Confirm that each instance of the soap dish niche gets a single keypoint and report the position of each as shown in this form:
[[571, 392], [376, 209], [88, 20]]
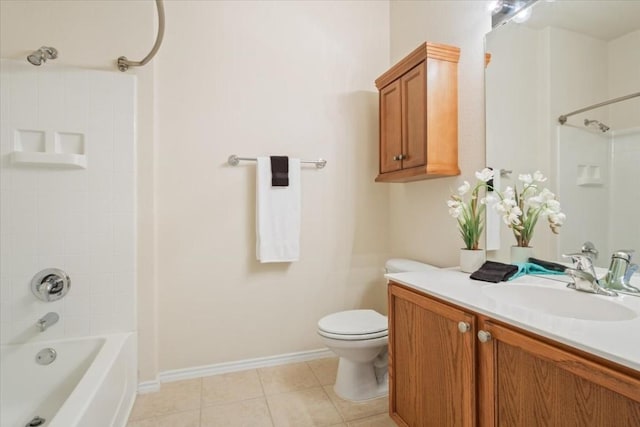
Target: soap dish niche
[[54, 149], [589, 176]]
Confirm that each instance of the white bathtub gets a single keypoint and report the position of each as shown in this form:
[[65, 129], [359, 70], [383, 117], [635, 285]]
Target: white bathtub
[[92, 382]]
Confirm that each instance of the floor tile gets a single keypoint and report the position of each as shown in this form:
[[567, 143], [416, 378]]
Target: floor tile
[[378, 421], [280, 379], [231, 387], [352, 411], [142, 407], [179, 419], [147, 422], [173, 397], [303, 408], [325, 369], [247, 413]]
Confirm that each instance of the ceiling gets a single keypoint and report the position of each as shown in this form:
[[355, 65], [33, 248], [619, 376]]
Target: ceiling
[[605, 20]]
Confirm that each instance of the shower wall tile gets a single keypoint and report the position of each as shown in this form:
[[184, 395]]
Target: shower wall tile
[[81, 221]]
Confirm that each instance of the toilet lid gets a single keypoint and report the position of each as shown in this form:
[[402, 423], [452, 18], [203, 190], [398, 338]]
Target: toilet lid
[[354, 322]]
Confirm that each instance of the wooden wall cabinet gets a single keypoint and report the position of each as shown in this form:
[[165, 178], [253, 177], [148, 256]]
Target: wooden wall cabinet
[[418, 101], [441, 373]]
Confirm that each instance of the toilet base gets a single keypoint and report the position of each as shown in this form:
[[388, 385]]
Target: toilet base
[[358, 381]]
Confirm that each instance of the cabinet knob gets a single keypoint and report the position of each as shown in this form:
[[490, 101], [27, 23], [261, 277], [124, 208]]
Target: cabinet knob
[[398, 157], [464, 327], [484, 336]]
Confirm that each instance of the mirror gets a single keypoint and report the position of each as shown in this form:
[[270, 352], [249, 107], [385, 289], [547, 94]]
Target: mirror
[[568, 56]]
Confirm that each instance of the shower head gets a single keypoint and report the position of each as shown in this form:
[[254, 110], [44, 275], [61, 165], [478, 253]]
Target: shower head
[[597, 124], [41, 55]]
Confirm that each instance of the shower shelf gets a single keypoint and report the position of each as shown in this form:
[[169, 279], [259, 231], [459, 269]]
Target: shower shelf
[[67, 160], [49, 148]]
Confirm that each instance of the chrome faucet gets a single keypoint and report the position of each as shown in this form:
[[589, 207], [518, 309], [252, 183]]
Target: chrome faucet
[[584, 276], [47, 320], [620, 271]]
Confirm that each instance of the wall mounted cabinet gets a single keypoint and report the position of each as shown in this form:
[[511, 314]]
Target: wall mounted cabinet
[[418, 101], [451, 366]]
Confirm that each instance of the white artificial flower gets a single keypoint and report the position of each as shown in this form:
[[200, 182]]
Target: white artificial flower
[[535, 201], [513, 216], [526, 178], [485, 174], [464, 188], [489, 199], [546, 195], [455, 208], [557, 218], [455, 212], [551, 207], [509, 193], [538, 177]]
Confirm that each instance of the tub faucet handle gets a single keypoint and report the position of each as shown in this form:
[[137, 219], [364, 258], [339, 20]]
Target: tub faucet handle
[[50, 284]]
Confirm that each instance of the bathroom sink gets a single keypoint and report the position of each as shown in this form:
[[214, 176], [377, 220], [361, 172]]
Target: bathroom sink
[[560, 302]]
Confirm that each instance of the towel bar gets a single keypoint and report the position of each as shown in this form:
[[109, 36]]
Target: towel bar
[[234, 160]]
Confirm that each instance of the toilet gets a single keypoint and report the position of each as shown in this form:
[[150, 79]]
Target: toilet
[[359, 338]]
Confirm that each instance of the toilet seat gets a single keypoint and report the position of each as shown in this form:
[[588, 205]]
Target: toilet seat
[[353, 325]]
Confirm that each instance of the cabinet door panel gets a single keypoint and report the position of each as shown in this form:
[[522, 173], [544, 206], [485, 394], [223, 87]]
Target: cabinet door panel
[[390, 127], [536, 384], [414, 117], [432, 369], [442, 117]]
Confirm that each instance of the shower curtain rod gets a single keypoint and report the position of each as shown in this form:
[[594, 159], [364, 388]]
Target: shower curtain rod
[[124, 63], [563, 118]]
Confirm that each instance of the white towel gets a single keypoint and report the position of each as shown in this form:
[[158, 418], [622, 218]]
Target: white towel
[[277, 214]]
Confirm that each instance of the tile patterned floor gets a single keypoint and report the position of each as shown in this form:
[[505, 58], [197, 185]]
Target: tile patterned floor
[[294, 395]]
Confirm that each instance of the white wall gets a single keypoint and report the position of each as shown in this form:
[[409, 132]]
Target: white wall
[[624, 119], [79, 220], [623, 79], [260, 78], [420, 225]]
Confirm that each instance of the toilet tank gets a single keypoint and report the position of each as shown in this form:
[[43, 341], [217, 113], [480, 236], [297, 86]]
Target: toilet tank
[[399, 265]]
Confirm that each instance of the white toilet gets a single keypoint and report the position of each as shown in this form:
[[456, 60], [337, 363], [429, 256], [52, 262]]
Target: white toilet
[[359, 337]]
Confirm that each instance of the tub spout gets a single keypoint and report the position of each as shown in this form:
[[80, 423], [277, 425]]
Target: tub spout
[[47, 320]]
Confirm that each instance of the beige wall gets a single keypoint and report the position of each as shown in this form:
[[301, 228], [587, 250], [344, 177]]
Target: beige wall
[[420, 225], [260, 78]]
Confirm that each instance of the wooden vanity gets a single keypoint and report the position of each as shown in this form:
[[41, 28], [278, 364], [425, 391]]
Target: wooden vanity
[[452, 365]]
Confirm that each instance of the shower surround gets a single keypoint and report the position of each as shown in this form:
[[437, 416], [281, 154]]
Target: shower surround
[[81, 220]]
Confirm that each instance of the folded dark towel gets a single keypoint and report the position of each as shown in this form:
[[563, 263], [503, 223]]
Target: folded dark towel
[[279, 171], [494, 272]]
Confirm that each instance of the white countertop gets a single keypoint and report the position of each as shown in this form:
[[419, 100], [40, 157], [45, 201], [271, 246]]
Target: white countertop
[[617, 341]]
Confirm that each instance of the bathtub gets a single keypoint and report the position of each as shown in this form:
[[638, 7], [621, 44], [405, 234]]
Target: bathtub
[[91, 382]]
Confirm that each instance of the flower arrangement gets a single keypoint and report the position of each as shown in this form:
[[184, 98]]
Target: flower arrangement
[[470, 213], [521, 210]]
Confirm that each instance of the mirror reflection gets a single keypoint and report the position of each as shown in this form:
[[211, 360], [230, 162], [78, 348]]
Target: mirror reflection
[[571, 55]]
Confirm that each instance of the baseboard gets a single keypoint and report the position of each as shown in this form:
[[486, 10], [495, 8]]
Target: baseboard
[[149, 386], [241, 365]]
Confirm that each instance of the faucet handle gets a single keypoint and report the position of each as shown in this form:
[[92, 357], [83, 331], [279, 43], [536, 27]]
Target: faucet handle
[[589, 249], [583, 262], [627, 275]]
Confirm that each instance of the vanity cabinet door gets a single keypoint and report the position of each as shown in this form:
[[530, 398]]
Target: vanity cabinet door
[[431, 361], [527, 382]]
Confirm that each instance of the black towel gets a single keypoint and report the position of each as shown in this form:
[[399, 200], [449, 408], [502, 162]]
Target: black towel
[[279, 171], [494, 272]]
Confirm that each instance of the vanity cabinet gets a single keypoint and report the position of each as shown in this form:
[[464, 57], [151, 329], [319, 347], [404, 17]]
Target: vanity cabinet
[[451, 366], [418, 102]]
